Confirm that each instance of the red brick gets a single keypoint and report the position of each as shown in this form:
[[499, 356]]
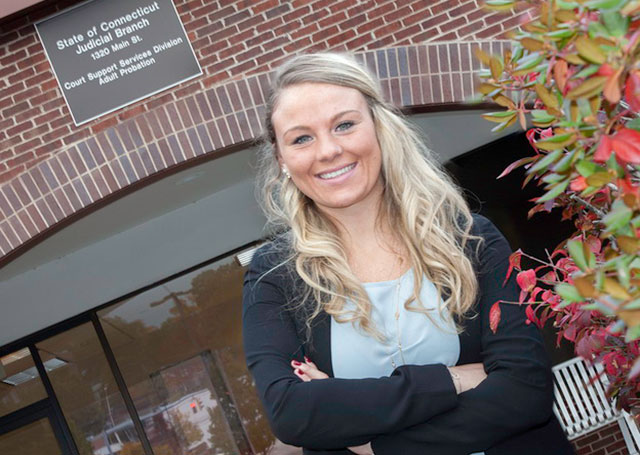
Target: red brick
[[452, 25], [15, 109], [26, 94], [277, 11], [132, 112], [47, 149], [264, 6], [270, 24], [22, 75], [12, 89], [46, 96], [24, 42], [104, 124], [341, 38], [387, 29], [397, 14], [12, 58], [232, 18], [29, 145]]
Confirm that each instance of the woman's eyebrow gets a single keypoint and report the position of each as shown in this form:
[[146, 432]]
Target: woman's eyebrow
[[333, 119]]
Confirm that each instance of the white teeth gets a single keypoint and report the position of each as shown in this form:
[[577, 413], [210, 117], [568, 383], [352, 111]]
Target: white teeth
[[330, 175]]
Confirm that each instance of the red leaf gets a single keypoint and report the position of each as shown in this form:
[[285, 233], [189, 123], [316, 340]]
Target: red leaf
[[494, 316], [578, 184], [526, 280], [626, 144], [605, 70], [514, 262], [531, 316], [561, 73], [515, 165], [612, 90], [604, 149], [632, 90]]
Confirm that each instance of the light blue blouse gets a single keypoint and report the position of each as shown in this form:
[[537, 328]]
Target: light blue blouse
[[424, 340]]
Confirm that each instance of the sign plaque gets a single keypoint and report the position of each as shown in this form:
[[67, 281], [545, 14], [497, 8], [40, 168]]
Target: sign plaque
[[107, 54]]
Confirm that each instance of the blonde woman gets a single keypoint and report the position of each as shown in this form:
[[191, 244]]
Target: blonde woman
[[366, 320]]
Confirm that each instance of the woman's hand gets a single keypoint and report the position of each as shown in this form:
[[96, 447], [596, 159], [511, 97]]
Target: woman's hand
[[308, 371], [467, 377]]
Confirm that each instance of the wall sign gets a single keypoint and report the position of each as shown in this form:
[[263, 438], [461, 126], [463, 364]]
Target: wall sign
[[107, 54]]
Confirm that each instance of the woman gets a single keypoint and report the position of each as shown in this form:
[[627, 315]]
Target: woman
[[366, 320]]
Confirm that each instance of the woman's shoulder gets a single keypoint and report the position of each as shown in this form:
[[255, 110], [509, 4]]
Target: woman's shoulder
[[272, 258], [482, 226]]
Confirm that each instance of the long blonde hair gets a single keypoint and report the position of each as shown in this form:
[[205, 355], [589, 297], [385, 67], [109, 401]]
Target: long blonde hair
[[429, 214]]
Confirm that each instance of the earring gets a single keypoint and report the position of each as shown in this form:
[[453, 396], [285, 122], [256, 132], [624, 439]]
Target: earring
[[286, 172]]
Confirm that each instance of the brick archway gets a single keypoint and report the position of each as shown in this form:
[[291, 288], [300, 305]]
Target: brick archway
[[172, 134], [52, 172]]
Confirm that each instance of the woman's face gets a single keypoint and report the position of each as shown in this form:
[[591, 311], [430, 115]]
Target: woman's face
[[326, 139]]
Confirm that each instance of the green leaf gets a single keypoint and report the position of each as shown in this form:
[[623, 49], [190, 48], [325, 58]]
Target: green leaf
[[597, 29], [634, 124], [553, 192], [598, 306], [633, 305], [567, 5], [614, 5], [498, 117], [616, 23], [585, 167], [557, 142], [500, 5], [619, 216], [623, 273], [568, 292], [529, 61], [633, 333], [588, 71], [565, 162], [542, 116], [557, 35], [546, 161], [553, 178], [590, 50], [576, 251]]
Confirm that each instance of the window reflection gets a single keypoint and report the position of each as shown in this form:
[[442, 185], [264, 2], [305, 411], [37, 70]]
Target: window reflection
[[179, 347], [88, 395], [36, 438], [20, 384]]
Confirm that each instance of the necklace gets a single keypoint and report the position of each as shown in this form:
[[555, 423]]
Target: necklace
[[397, 322]]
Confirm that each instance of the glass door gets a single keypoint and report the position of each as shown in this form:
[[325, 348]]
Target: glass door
[[31, 432]]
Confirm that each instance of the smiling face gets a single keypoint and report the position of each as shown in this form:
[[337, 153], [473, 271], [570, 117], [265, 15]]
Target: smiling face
[[326, 139]]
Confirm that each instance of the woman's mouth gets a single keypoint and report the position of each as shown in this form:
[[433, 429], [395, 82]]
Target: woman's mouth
[[337, 173]]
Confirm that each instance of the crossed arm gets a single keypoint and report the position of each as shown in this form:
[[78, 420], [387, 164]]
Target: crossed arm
[[417, 407]]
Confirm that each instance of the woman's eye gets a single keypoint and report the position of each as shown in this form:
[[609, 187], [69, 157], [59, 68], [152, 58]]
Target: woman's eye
[[344, 126], [301, 139]]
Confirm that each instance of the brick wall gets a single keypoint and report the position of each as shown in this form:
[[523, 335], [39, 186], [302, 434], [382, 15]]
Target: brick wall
[[607, 440], [50, 169]]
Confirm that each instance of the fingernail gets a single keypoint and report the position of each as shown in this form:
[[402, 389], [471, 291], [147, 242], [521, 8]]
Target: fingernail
[[299, 372], [296, 363], [306, 359]]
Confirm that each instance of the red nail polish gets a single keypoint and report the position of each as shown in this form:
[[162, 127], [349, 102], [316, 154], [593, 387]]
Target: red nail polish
[[299, 372], [296, 363], [306, 359]]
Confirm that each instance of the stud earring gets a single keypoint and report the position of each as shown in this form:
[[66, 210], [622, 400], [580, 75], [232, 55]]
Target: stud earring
[[286, 172]]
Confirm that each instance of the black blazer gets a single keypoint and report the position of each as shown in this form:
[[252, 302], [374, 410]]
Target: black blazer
[[416, 410]]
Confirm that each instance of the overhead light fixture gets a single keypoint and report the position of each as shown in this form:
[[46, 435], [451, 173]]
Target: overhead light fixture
[[32, 373], [244, 257]]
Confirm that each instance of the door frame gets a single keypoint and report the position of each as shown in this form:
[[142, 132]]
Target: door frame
[[36, 411]]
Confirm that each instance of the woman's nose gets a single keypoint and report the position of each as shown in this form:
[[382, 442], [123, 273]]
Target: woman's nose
[[329, 148]]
